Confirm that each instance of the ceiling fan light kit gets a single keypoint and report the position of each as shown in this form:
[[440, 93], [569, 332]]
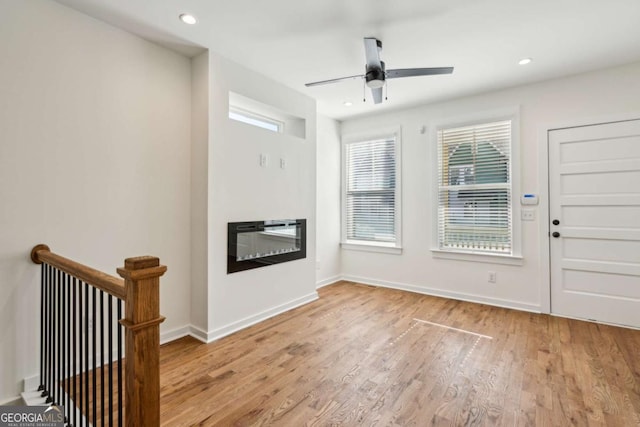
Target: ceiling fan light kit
[[375, 75]]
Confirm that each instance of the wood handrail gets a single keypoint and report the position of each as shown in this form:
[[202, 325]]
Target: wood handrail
[[110, 284], [139, 288]]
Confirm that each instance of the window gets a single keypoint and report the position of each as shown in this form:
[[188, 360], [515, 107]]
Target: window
[[475, 189], [254, 119], [371, 192]]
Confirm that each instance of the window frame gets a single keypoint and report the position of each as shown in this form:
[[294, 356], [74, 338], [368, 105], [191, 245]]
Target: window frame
[[515, 257], [372, 245]]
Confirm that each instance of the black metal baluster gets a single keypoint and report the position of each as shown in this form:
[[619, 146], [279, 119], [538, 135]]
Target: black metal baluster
[[119, 329], [102, 356], [52, 337], [95, 355], [86, 351], [110, 349], [80, 395], [63, 342], [51, 347], [74, 353], [42, 279], [58, 338], [45, 330], [69, 355]]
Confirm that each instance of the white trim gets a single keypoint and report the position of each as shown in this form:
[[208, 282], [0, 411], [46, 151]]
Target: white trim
[[328, 281], [12, 401], [31, 383], [197, 333], [223, 331], [498, 302], [175, 334], [543, 179], [372, 135], [478, 257], [508, 113], [543, 219], [371, 247], [210, 336]]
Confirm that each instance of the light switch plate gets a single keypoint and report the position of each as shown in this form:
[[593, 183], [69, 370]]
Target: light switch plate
[[528, 214]]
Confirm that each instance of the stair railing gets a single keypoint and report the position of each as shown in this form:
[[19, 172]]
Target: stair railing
[[79, 367]]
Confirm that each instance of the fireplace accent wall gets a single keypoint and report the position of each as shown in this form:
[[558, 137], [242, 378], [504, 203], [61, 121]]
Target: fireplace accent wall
[[257, 244]]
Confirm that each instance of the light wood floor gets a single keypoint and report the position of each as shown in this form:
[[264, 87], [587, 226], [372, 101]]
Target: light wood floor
[[359, 356]]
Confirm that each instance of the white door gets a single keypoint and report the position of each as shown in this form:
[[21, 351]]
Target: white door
[[594, 208]]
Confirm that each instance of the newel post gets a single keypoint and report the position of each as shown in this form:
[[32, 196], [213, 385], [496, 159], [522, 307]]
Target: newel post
[[142, 339]]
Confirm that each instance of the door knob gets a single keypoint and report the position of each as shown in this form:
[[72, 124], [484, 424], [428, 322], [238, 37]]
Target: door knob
[[555, 234], [555, 222]]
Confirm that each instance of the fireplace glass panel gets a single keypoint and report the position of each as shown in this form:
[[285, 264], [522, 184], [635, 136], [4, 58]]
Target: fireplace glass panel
[[276, 238], [261, 243]]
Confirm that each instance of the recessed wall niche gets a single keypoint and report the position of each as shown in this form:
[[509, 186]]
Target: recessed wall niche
[[255, 113]]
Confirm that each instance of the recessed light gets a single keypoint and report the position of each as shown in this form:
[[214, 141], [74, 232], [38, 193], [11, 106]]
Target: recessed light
[[524, 61], [347, 103], [188, 19]]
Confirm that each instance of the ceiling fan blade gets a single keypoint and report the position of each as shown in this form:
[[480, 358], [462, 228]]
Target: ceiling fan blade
[[377, 95], [413, 72], [326, 82], [371, 52]]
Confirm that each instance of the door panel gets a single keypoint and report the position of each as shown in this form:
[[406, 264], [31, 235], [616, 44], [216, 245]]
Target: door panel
[[594, 191]]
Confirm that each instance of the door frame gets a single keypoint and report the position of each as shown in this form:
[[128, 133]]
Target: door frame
[[543, 182]]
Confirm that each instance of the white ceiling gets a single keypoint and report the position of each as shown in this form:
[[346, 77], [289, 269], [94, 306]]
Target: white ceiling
[[297, 41]]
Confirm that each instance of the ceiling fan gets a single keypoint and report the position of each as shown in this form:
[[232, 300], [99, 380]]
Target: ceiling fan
[[375, 73]]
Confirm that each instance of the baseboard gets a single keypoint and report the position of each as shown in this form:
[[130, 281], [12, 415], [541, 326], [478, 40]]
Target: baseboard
[[12, 401], [175, 334], [498, 302], [252, 320], [328, 281], [197, 333], [210, 336]]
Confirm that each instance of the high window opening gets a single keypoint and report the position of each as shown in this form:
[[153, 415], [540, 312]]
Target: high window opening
[[254, 119], [252, 112]]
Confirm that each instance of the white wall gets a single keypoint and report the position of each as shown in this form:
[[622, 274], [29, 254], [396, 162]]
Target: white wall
[[328, 263], [199, 190], [94, 162], [597, 94], [240, 190]]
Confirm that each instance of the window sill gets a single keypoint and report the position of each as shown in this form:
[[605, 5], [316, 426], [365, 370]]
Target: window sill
[[478, 257], [387, 248]]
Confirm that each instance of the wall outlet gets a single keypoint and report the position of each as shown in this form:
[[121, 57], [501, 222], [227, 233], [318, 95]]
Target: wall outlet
[[491, 278], [263, 160], [283, 164]]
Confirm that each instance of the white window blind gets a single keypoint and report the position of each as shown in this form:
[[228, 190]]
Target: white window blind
[[474, 188], [371, 190]]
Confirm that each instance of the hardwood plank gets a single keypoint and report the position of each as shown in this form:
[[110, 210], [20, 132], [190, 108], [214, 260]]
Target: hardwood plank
[[356, 356]]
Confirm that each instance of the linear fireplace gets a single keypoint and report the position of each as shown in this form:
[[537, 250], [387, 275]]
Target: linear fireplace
[[260, 243]]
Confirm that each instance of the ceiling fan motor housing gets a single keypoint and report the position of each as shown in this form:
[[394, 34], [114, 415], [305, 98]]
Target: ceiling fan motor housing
[[375, 76]]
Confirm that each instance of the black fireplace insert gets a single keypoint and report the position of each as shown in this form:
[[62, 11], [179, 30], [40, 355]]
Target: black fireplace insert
[[256, 244]]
